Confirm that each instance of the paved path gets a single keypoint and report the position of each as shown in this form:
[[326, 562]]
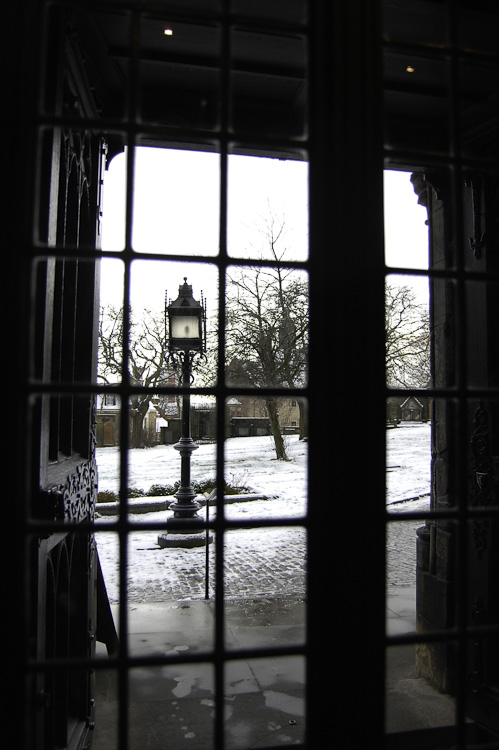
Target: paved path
[[260, 561], [267, 562], [401, 545], [271, 562]]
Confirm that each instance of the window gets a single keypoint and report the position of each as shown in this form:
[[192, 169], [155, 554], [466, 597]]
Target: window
[[346, 88]]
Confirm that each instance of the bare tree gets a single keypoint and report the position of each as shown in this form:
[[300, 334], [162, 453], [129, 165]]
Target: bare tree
[[407, 335], [147, 360], [267, 327]]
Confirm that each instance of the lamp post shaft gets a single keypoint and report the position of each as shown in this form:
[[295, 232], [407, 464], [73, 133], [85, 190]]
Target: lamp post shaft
[[186, 505], [186, 397]]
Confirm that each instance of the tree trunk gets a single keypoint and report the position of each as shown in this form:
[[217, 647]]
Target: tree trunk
[[140, 406], [302, 405], [136, 437], [280, 448]]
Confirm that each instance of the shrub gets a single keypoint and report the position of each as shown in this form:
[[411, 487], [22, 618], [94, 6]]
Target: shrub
[[135, 492], [231, 489], [159, 490], [162, 489], [207, 485]]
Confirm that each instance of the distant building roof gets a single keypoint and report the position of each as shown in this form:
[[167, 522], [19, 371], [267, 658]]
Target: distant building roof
[[411, 398]]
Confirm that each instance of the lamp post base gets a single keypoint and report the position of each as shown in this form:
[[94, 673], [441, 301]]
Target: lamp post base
[[185, 528], [188, 540]]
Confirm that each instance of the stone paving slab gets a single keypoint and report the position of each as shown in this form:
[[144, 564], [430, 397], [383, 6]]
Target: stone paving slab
[[173, 705], [274, 567], [247, 573]]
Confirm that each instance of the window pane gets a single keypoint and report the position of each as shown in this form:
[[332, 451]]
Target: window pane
[[477, 31], [108, 551], [267, 83], [265, 487], [412, 705], [416, 99], [171, 705], [483, 457], [268, 208], [408, 446], [403, 23], [106, 35], [481, 300], [266, 327], [482, 650], [266, 562], [408, 482], [179, 58], [265, 698], [176, 202], [407, 332], [105, 734], [114, 191], [477, 92], [282, 11], [406, 230]]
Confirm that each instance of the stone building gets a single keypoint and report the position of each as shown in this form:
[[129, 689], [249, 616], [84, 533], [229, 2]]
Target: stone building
[[412, 410], [254, 407], [108, 418], [408, 409]]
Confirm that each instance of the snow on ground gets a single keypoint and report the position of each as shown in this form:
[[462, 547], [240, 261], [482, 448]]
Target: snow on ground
[[249, 462], [408, 478], [408, 462], [155, 572]]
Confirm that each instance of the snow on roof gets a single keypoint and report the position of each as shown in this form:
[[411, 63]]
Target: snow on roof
[[411, 398]]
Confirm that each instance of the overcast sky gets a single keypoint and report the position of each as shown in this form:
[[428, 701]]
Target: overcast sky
[[177, 208]]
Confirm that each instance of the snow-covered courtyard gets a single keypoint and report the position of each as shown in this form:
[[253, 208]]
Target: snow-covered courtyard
[[258, 561], [408, 462]]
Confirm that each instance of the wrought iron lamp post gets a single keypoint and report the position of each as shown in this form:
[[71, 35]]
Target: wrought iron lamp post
[[186, 321]]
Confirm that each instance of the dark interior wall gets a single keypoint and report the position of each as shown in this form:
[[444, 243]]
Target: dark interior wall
[[19, 56]]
